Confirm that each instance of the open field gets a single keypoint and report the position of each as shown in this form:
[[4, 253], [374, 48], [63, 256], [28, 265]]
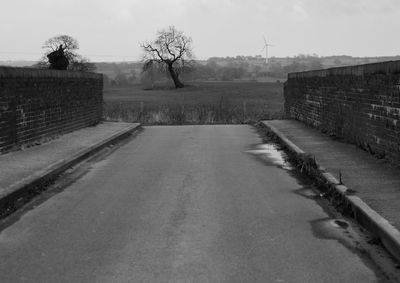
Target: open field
[[198, 103]]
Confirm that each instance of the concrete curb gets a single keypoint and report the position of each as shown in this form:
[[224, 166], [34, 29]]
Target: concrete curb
[[42, 177], [365, 215]]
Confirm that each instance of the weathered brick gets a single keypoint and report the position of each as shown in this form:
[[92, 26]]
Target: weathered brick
[[360, 104], [40, 103]]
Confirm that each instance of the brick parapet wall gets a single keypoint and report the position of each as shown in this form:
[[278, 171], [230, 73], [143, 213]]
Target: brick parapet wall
[[36, 103], [360, 104]]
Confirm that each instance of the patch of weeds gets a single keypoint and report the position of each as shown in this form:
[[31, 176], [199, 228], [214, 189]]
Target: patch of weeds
[[306, 165], [179, 114]]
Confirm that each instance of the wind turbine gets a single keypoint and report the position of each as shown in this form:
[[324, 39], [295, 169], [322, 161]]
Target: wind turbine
[[266, 45]]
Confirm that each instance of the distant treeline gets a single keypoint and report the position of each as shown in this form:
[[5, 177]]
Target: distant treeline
[[233, 68], [229, 68]]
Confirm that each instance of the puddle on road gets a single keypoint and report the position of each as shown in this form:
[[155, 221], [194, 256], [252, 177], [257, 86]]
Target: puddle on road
[[307, 192], [271, 155], [348, 235], [333, 227], [327, 228]]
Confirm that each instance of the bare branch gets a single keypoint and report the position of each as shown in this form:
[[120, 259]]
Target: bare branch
[[148, 48], [169, 50]]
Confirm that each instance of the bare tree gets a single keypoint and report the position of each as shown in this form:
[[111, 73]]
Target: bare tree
[[69, 46], [171, 50]]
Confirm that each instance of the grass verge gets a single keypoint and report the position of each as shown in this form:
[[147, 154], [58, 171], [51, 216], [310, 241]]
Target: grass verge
[[199, 103]]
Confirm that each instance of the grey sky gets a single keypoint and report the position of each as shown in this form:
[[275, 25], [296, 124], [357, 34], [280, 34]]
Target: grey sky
[[218, 27]]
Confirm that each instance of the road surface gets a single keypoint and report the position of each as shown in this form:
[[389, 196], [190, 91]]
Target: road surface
[[183, 204]]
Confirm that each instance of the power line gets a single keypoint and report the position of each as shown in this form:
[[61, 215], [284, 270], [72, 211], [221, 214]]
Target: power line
[[16, 52], [87, 55], [92, 55]]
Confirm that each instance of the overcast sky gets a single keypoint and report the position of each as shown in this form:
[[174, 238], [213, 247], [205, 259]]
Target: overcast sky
[[217, 27]]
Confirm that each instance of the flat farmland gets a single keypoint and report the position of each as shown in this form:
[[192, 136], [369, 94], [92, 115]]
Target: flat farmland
[[197, 103]]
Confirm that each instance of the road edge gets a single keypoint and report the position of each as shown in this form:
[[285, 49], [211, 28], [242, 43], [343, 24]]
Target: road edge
[[362, 213], [45, 176]]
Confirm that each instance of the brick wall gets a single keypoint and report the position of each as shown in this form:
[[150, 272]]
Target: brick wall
[[40, 103], [360, 104]]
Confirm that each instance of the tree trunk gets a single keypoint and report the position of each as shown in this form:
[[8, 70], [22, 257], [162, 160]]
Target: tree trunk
[[174, 76]]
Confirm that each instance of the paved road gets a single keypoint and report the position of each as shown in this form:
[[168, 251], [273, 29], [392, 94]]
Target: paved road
[[182, 204]]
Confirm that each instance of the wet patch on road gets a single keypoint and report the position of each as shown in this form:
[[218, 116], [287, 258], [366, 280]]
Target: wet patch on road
[[327, 228], [308, 192], [335, 227], [271, 155], [347, 234]]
